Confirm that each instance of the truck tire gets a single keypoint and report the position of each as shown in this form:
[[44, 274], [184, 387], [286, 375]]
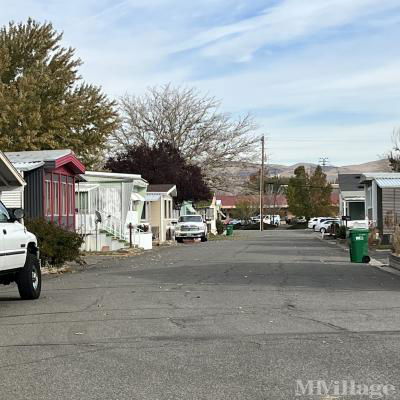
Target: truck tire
[[179, 240], [29, 279], [204, 238]]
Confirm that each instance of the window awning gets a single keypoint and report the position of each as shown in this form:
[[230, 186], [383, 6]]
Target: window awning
[[137, 197], [152, 197]]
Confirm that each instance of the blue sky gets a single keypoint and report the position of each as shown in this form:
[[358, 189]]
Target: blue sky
[[322, 77]]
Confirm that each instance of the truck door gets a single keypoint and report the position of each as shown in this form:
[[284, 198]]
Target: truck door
[[13, 242], [1, 247], [3, 223]]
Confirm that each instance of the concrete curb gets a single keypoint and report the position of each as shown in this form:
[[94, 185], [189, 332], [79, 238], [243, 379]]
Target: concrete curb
[[373, 263]]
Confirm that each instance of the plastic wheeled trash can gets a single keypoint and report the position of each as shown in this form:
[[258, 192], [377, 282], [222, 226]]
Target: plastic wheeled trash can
[[229, 230], [358, 243]]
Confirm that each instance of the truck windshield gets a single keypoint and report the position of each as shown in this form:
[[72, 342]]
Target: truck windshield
[[4, 216], [191, 218]]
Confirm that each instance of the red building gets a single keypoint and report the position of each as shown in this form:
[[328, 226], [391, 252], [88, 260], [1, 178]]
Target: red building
[[50, 176]]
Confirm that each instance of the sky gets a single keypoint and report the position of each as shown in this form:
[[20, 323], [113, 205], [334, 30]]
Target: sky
[[321, 77]]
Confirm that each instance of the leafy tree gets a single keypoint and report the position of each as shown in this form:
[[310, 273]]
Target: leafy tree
[[190, 122], [298, 193], [245, 209], [162, 163], [44, 104], [320, 193]]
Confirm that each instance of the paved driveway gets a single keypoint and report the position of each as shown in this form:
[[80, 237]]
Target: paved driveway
[[240, 319]]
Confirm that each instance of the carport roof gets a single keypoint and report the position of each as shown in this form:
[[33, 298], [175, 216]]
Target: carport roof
[[386, 183], [9, 176], [384, 179]]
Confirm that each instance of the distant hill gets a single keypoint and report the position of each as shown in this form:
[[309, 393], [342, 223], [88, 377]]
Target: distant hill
[[240, 172]]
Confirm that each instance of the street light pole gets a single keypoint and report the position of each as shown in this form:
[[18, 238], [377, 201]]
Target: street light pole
[[262, 185]]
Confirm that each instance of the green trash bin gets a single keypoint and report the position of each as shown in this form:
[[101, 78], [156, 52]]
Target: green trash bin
[[358, 243], [229, 230]]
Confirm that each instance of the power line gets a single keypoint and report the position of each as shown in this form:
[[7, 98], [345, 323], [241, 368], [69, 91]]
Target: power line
[[324, 161]]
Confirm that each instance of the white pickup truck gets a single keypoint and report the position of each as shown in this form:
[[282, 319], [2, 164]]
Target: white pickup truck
[[19, 255], [190, 227]]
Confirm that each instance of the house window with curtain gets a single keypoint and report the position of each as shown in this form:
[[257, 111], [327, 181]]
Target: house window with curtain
[[64, 196], [71, 196], [56, 195], [48, 194], [82, 202]]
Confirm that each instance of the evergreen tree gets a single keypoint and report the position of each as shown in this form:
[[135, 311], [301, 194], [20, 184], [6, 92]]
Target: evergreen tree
[[298, 193], [320, 193], [44, 104]]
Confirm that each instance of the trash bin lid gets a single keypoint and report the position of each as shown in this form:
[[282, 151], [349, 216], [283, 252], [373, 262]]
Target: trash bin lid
[[359, 230]]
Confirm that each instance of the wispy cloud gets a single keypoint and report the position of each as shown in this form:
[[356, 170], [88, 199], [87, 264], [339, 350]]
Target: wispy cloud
[[316, 73]]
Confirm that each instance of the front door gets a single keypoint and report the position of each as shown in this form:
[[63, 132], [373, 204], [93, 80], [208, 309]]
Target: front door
[[13, 244]]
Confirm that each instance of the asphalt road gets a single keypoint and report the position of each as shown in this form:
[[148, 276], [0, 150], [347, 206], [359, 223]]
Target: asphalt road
[[241, 319]]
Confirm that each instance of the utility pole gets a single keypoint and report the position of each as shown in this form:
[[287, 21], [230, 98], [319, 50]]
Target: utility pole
[[262, 185], [324, 161]]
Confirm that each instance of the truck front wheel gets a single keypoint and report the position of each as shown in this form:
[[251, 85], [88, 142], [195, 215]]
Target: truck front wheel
[[204, 238], [29, 279]]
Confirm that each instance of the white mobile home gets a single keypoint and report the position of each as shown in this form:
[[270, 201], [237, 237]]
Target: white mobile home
[[107, 204], [159, 212]]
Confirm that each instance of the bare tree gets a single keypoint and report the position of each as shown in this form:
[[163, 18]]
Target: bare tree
[[192, 123], [394, 154]]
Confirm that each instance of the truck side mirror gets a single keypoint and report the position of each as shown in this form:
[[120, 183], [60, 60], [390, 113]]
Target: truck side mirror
[[17, 214]]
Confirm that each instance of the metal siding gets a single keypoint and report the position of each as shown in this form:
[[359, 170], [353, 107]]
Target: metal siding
[[12, 198], [390, 209], [33, 195]]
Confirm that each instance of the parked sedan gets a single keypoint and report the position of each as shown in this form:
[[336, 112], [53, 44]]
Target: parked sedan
[[313, 221], [324, 225]]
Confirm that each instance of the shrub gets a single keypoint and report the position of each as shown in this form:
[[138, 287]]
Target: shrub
[[342, 233], [373, 237], [220, 227], [396, 241], [56, 244]]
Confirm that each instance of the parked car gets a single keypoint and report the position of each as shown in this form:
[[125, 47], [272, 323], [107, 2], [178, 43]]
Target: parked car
[[235, 222], [314, 221], [272, 220], [301, 220], [190, 227], [322, 226], [20, 255]]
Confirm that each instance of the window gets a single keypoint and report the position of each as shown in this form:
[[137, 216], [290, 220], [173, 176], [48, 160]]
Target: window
[[144, 211], [4, 217], [56, 198], [48, 197], [191, 218], [82, 202], [134, 205], [64, 199], [71, 205]]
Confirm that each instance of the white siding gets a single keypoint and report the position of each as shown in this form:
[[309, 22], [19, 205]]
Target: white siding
[[13, 198]]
